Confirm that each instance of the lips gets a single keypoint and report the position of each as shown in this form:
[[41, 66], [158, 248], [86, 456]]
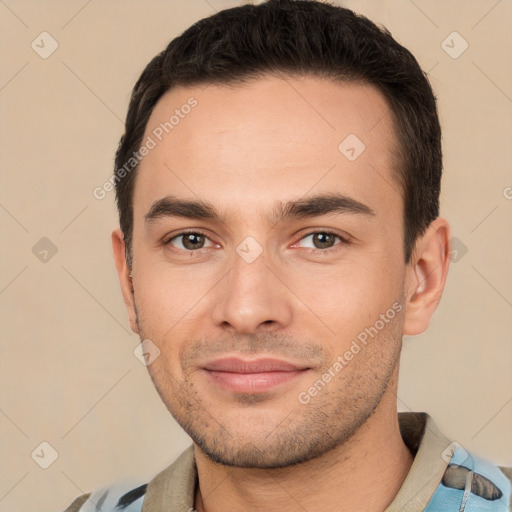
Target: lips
[[251, 376], [235, 365]]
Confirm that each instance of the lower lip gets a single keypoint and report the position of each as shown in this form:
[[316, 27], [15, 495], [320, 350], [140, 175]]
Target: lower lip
[[252, 382]]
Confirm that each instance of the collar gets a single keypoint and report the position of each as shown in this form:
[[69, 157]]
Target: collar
[[174, 488]]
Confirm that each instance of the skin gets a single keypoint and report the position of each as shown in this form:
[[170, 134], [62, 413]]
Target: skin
[[245, 150]]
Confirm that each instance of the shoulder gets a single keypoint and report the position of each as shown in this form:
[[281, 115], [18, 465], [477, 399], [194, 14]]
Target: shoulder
[[473, 484], [444, 476], [120, 497], [174, 485], [507, 472]]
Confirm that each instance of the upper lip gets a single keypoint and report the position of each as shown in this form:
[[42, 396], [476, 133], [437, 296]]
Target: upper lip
[[238, 365]]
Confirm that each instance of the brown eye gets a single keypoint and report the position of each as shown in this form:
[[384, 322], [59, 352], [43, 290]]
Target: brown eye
[[320, 240], [193, 241], [324, 240], [190, 241]]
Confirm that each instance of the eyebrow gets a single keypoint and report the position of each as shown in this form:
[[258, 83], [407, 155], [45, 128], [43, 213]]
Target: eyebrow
[[314, 206], [324, 204]]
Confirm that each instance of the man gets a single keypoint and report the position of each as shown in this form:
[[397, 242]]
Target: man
[[278, 191]]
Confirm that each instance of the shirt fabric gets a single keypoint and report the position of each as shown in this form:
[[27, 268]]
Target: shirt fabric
[[443, 478]]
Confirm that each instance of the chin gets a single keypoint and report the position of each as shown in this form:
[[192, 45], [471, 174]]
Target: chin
[[259, 455]]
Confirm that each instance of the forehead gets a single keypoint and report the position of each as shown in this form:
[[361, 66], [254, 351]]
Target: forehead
[[270, 138]]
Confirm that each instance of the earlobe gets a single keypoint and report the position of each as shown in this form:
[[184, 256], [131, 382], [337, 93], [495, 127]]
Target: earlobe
[[125, 276], [426, 276]]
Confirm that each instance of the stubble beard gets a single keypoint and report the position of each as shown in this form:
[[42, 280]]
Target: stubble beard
[[302, 432]]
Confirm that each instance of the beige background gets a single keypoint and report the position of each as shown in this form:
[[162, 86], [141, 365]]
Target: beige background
[[69, 376]]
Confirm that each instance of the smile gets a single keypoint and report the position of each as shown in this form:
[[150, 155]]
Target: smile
[[255, 376]]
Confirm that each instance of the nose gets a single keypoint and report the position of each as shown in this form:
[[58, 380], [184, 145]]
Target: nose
[[251, 298]]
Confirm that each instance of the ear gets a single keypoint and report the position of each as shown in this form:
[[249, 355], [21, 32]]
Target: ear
[[123, 271], [426, 276]]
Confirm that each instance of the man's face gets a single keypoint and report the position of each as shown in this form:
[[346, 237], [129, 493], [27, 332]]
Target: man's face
[[292, 249]]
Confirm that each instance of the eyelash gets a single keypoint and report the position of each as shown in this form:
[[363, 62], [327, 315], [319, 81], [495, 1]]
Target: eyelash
[[328, 250], [168, 241], [316, 251]]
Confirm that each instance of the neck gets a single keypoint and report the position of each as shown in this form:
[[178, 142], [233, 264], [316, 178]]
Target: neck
[[365, 473]]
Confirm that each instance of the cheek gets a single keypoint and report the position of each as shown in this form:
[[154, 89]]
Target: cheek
[[350, 297], [170, 306], [167, 293]]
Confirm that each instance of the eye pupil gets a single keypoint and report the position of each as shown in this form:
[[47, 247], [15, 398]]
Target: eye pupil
[[323, 240], [193, 241]]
